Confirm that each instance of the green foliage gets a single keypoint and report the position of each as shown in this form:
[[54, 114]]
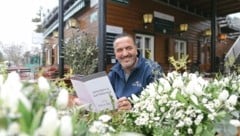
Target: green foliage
[[180, 64], [81, 53], [231, 65]]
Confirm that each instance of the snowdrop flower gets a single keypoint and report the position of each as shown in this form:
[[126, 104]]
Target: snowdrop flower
[[14, 129], [66, 127], [198, 119], [235, 122], [3, 132], [166, 84], [151, 89], [43, 84], [178, 83], [105, 118], [204, 100], [12, 94], [1, 81], [190, 131], [223, 95], [174, 93], [50, 122], [194, 87], [134, 98], [194, 99], [62, 99], [232, 100], [187, 121]]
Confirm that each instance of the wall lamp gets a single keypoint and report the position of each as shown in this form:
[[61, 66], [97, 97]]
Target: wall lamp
[[207, 33], [72, 23], [147, 19], [222, 36], [55, 34], [183, 27]]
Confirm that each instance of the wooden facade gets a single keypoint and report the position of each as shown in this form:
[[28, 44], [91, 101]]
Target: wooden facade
[[129, 17]]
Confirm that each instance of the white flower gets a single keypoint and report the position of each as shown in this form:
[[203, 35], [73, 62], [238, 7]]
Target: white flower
[[1, 81], [62, 99], [198, 119], [178, 83], [50, 122], [165, 83], [223, 95], [174, 93], [190, 131], [11, 94], [14, 129], [194, 99], [194, 87], [235, 122], [43, 84], [134, 97], [3, 132], [66, 127], [105, 118], [232, 100], [187, 121]]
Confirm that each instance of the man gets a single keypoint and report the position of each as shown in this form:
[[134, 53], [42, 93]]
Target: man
[[132, 72]]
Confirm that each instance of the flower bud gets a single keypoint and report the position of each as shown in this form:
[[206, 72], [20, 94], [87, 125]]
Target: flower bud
[[62, 99]]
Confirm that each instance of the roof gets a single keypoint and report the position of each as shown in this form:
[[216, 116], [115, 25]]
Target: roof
[[203, 7]]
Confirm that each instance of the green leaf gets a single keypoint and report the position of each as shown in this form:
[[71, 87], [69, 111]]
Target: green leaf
[[26, 117], [181, 98], [36, 121]]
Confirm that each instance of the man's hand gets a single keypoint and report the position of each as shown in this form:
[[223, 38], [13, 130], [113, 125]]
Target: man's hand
[[124, 104]]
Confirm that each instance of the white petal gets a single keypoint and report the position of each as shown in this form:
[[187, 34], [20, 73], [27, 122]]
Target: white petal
[[43, 84], [62, 99], [66, 128]]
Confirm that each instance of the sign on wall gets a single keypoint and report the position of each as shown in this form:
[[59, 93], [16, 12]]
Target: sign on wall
[[111, 33], [163, 23]]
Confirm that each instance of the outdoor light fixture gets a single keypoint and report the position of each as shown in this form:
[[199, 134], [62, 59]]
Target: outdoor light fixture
[[72, 23], [55, 34], [46, 41], [222, 36], [208, 32], [183, 27], [147, 19]]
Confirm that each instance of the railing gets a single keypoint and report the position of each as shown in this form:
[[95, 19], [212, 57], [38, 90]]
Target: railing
[[232, 54]]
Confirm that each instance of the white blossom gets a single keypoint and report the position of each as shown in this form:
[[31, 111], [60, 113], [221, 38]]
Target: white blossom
[[43, 84], [190, 131], [50, 122], [223, 95], [62, 99], [235, 122], [14, 129], [66, 127], [232, 100], [194, 99], [105, 118]]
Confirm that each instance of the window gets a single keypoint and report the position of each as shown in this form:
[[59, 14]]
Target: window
[[180, 49], [145, 44]]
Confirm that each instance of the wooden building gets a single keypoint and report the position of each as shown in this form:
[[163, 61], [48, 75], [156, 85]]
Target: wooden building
[[162, 28]]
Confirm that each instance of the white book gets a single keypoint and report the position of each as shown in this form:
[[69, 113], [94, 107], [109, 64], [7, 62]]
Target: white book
[[95, 91]]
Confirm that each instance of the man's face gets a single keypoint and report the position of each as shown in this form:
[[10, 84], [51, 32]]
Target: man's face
[[125, 52]]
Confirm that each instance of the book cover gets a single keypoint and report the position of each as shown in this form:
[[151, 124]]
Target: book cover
[[95, 91]]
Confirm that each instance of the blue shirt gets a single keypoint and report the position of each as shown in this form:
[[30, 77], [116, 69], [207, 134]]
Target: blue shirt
[[145, 72]]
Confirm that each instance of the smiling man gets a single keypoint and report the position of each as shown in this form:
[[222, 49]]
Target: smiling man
[[132, 72]]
